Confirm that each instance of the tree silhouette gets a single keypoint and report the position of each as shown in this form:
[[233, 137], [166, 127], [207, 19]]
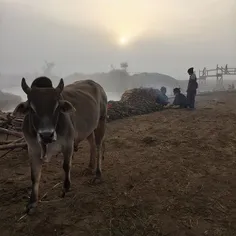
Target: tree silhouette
[[124, 65], [47, 68]]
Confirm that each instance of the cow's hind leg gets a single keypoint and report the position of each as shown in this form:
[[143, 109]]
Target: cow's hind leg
[[92, 160], [92, 144], [67, 151], [99, 138]]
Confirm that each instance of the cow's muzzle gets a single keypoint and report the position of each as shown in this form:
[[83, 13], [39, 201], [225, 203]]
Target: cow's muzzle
[[47, 136]]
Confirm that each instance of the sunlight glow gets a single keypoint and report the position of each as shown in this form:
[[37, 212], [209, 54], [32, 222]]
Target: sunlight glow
[[126, 22], [123, 41]]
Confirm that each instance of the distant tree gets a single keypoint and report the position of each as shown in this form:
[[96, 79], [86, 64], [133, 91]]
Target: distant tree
[[124, 65], [47, 69], [112, 67]]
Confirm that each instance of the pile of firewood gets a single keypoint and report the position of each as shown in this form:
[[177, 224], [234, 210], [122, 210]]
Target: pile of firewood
[[7, 121], [120, 110], [11, 126], [144, 96], [133, 102]]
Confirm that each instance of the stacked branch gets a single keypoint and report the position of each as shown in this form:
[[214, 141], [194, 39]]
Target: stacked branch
[[11, 127], [8, 121], [133, 102]]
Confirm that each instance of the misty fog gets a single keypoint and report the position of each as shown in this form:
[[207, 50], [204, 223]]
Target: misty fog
[[89, 39]]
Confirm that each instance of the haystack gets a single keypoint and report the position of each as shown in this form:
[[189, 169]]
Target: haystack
[[133, 102]]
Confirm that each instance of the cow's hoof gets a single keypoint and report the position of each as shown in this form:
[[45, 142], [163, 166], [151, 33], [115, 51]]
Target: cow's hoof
[[64, 191], [66, 188], [31, 207]]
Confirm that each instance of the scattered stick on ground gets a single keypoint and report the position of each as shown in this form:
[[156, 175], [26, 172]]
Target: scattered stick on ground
[[12, 146], [22, 217], [11, 132]]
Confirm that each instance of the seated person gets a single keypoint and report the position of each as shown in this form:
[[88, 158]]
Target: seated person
[[180, 99], [162, 99]]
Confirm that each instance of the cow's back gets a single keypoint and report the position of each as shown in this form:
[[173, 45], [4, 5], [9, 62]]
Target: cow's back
[[90, 102]]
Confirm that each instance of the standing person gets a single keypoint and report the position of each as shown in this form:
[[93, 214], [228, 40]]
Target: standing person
[[192, 88], [226, 69]]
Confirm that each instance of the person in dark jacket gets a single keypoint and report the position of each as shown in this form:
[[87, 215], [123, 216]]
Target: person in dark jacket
[[162, 99], [180, 99], [192, 88]]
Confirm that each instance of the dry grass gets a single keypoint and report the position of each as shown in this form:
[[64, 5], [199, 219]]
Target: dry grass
[[168, 173]]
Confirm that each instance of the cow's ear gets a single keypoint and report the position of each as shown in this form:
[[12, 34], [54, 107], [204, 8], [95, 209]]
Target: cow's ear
[[66, 107], [21, 109]]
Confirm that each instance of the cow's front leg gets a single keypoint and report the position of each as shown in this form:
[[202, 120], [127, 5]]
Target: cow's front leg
[[36, 167], [67, 151]]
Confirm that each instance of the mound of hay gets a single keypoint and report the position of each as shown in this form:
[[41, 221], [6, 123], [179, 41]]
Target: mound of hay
[[133, 102], [142, 95]]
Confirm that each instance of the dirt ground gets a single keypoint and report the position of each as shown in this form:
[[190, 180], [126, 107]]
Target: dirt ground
[[167, 173]]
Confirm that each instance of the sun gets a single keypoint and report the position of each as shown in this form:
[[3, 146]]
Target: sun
[[123, 41]]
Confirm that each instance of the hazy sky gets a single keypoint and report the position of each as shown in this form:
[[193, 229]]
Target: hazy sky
[[165, 36]]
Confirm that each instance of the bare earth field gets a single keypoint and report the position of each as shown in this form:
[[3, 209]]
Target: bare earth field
[[167, 173]]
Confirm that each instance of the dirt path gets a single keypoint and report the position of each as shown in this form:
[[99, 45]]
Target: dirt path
[[167, 173]]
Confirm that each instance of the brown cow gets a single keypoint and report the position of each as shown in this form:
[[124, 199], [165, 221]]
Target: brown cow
[[61, 118]]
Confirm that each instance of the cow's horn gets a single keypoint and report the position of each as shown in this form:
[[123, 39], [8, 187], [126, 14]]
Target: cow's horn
[[60, 86], [25, 86]]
